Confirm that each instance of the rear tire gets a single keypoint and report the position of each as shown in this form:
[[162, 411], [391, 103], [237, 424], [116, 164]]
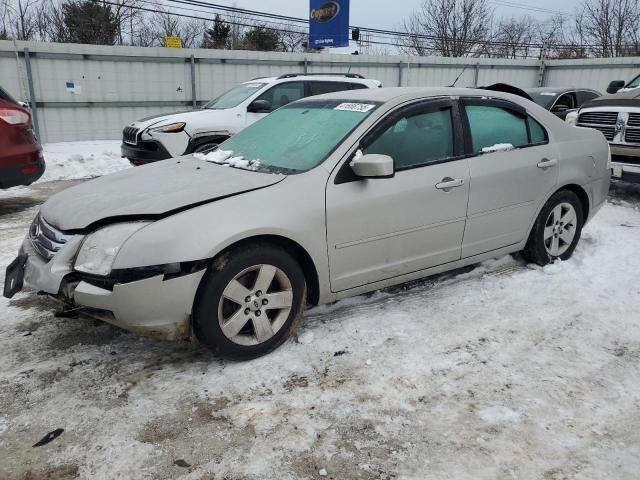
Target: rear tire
[[249, 302], [557, 230]]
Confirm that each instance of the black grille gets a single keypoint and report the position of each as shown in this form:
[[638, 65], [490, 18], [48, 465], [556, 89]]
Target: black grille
[[45, 239], [130, 135], [634, 120], [632, 136], [608, 132], [598, 118]]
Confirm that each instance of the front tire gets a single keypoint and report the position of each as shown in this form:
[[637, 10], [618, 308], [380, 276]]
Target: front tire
[[205, 147], [557, 229], [250, 301]]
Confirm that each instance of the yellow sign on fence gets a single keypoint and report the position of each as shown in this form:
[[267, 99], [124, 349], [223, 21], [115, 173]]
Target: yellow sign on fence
[[173, 42]]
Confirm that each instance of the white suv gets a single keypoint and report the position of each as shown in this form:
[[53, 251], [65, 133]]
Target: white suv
[[166, 136]]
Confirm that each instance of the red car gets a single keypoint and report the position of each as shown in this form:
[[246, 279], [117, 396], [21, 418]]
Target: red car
[[21, 161]]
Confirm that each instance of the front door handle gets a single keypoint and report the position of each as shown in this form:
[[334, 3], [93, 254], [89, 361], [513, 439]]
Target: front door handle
[[546, 163], [448, 183]]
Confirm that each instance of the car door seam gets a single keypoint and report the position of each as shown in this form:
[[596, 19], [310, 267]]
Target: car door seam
[[498, 210], [397, 233]]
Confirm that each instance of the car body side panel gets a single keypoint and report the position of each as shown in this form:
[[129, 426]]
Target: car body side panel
[[506, 188], [295, 211], [381, 228]]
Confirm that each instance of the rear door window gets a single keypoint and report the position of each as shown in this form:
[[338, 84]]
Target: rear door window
[[318, 88], [585, 96], [494, 126]]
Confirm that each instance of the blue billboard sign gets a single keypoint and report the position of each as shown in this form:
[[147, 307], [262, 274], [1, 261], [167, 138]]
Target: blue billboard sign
[[329, 23]]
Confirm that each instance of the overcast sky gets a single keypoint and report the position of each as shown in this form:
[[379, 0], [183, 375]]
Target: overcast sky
[[388, 14]]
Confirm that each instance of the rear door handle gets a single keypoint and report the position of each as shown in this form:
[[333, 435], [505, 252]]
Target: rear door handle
[[546, 163], [448, 183]]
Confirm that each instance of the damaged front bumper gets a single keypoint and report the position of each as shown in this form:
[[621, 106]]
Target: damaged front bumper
[[157, 305]]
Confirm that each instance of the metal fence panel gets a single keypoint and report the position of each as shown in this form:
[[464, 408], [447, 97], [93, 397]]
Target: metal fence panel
[[113, 86]]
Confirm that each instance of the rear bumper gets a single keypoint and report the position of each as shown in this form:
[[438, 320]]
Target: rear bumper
[[628, 172], [23, 174], [153, 307], [625, 151], [143, 152]]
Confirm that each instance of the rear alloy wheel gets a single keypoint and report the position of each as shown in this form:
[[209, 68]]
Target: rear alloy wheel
[[250, 303], [557, 229], [560, 229]]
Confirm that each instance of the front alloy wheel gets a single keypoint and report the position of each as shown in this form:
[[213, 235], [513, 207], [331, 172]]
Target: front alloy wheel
[[250, 301], [255, 304]]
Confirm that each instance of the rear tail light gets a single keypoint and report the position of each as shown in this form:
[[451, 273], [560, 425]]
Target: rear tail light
[[13, 116], [30, 170]]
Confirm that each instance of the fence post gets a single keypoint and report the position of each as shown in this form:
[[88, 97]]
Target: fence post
[[400, 65], [476, 74], [32, 94], [194, 96], [306, 65], [542, 72]]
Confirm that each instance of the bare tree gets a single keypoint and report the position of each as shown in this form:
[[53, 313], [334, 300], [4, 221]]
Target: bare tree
[[610, 25], [4, 19], [22, 19], [514, 37], [166, 25], [292, 39], [451, 28]]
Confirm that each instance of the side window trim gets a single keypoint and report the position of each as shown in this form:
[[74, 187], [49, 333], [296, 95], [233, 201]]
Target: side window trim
[[498, 103]]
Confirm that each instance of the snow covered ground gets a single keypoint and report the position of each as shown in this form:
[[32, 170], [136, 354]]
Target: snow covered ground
[[75, 160], [500, 371]]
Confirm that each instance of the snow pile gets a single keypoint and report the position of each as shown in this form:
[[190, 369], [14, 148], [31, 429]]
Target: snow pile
[[498, 147], [226, 158], [72, 160]]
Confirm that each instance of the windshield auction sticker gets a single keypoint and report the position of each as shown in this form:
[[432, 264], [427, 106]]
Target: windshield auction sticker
[[354, 107]]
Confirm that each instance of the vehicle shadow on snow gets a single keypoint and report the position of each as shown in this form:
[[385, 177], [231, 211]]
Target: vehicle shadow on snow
[[624, 192], [12, 205]]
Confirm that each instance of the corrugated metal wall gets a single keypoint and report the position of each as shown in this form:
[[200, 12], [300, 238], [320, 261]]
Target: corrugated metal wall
[[120, 84]]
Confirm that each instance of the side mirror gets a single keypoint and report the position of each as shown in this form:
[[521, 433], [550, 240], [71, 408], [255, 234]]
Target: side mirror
[[373, 166], [559, 108], [259, 106], [615, 86]]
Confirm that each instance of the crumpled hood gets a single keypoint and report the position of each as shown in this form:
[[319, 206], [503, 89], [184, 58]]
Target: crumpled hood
[[154, 190]]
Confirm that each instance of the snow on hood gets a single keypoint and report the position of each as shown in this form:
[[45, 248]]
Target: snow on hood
[[150, 191], [226, 158]]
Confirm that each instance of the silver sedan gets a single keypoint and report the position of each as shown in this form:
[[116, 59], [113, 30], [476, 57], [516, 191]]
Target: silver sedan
[[326, 198]]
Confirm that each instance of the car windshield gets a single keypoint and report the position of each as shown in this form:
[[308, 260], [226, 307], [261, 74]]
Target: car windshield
[[295, 138], [634, 83], [543, 98], [235, 96]]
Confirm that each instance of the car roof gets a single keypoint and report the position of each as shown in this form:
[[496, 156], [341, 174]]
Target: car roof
[[556, 89], [332, 78], [384, 95]]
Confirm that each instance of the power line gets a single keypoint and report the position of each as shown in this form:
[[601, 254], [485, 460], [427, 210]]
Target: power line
[[531, 8], [475, 46]]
